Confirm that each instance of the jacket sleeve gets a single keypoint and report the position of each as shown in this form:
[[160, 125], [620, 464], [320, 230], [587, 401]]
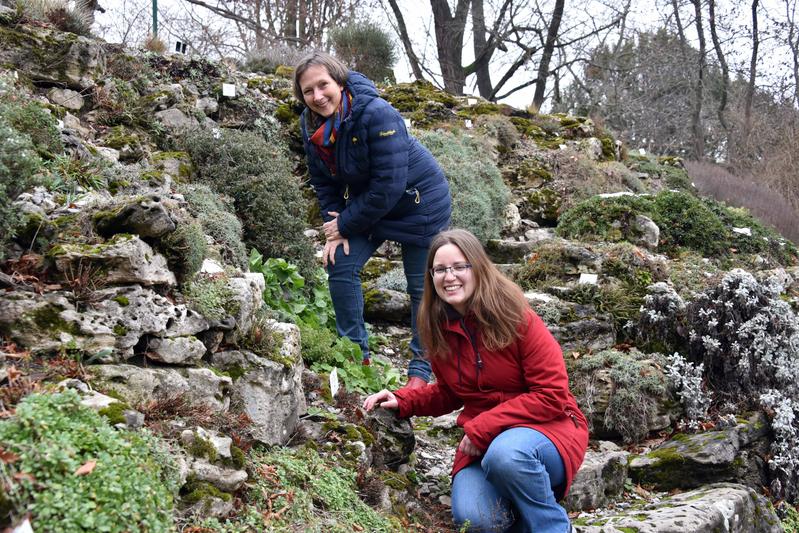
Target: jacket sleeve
[[547, 384], [434, 400], [389, 145]]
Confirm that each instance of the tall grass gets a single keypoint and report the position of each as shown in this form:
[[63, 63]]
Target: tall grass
[[768, 205]]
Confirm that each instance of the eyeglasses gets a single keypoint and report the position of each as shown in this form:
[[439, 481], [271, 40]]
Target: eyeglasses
[[441, 271]]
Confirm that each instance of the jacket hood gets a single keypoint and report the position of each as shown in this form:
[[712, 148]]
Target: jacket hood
[[363, 91]]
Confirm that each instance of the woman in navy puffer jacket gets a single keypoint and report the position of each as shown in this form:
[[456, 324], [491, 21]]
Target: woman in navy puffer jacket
[[374, 182]]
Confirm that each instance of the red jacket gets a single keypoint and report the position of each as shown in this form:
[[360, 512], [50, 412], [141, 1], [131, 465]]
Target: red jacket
[[522, 385]]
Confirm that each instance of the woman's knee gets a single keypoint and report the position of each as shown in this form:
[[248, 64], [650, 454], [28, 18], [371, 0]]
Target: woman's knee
[[503, 462], [481, 516]]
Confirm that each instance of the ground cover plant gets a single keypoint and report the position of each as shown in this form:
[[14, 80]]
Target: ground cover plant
[[71, 470]]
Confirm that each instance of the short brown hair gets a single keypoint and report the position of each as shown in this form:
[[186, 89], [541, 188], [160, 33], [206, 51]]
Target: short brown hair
[[337, 70], [497, 304]]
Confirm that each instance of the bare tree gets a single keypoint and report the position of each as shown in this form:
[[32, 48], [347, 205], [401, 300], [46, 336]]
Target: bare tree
[[697, 128], [750, 93], [793, 44], [725, 69]]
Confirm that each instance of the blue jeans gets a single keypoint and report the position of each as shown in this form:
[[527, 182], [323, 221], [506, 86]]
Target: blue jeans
[[511, 488], [345, 290]]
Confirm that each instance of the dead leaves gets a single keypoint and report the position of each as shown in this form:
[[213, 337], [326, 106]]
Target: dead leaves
[[86, 468]]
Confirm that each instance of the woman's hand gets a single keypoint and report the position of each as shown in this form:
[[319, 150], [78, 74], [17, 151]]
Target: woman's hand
[[329, 253], [467, 447], [384, 399], [331, 228]]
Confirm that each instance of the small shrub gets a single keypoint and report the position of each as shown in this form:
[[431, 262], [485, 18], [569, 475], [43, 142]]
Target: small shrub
[[130, 488], [18, 164], [185, 249], [267, 59], [479, 196], [215, 213], [258, 176], [394, 280], [686, 378], [260, 339], [72, 20], [211, 296], [154, 44], [33, 120], [366, 48], [635, 385], [500, 128]]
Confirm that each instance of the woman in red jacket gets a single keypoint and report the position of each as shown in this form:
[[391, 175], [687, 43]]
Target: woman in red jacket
[[524, 436]]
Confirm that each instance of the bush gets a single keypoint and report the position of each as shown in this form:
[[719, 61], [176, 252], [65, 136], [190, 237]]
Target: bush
[[267, 59], [185, 248], [130, 487], [479, 196], [746, 337], [258, 176], [211, 296], [18, 164], [365, 47], [215, 213], [33, 120]]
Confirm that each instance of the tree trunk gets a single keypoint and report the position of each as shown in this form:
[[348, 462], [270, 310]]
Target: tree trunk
[[697, 128], [546, 57], [480, 52], [449, 31], [750, 89], [725, 70]]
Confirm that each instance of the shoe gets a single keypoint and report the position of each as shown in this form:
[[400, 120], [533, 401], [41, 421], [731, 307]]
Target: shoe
[[415, 383]]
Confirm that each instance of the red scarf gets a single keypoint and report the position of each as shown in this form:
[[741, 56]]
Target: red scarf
[[324, 138]]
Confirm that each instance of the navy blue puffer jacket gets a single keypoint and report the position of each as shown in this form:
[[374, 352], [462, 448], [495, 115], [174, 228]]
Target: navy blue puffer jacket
[[386, 185]]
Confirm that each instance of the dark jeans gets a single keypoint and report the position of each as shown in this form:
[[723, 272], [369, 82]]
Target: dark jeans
[[345, 290]]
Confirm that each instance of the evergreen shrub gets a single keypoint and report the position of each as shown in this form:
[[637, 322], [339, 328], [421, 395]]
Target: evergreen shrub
[[215, 213], [258, 176], [479, 196], [51, 437], [366, 48]]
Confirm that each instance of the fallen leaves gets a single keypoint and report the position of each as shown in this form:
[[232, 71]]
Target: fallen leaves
[[86, 468]]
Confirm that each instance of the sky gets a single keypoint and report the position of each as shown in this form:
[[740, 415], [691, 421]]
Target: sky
[[418, 17]]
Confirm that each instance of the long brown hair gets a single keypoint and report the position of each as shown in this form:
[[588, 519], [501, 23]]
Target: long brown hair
[[497, 304]]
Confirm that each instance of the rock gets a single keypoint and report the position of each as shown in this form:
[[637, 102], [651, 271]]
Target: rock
[[73, 123], [95, 400], [512, 221], [269, 392], [248, 292], [220, 444], [599, 481], [720, 507], [687, 461], [508, 251], [387, 304], [176, 351], [175, 119], [145, 216], [66, 98], [210, 507], [109, 154], [142, 385], [592, 148], [207, 105], [123, 259], [395, 439], [175, 164], [588, 331], [648, 231], [537, 235], [226, 479], [52, 57]]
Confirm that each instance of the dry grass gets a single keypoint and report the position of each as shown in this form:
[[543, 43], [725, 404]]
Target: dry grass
[[764, 203]]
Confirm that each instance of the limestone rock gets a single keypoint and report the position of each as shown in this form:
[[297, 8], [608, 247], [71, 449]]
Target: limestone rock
[[145, 216], [512, 220], [648, 231], [175, 119], [508, 251], [599, 480], [141, 385], [124, 259], [395, 438], [248, 292], [73, 123], [387, 304], [731, 454], [723, 507], [51, 56], [66, 98], [221, 444], [269, 392], [226, 479], [207, 105], [176, 351]]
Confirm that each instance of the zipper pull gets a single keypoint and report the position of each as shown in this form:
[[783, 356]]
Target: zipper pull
[[418, 197], [347, 192]]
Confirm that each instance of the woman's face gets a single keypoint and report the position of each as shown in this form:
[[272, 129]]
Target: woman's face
[[320, 91], [453, 287]]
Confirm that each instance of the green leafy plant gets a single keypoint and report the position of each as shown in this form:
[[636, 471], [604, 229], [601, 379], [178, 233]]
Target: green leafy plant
[[287, 294], [68, 468]]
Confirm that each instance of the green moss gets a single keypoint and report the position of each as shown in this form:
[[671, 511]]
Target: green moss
[[625, 529], [285, 113], [48, 318], [284, 71], [201, 447], [114, 412], [120, 330], [480, 108], [542, 204], [237, 457], [409, 97], [197, 491], [608, 148], [121, 300]]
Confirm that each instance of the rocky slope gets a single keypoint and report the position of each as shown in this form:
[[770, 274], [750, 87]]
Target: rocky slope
[[127, 281]]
